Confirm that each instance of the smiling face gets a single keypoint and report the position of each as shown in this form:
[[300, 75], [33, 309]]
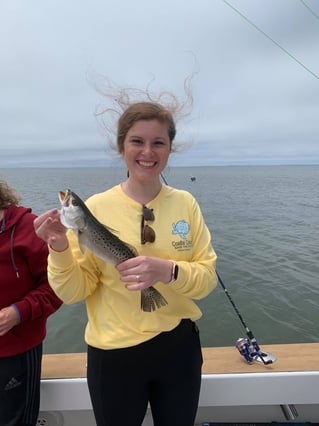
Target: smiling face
[[146, 149]]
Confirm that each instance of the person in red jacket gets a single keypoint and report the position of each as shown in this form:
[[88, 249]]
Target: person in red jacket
[[26, 301]]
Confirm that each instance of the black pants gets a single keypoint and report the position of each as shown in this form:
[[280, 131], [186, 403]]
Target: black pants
[[165, 372], [20, 388]]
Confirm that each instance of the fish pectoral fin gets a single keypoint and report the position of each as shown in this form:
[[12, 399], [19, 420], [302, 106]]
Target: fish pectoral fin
[[82, 248], [82, 242]]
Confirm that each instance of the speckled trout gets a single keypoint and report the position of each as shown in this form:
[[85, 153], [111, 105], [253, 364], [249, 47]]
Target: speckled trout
[[99, 239]]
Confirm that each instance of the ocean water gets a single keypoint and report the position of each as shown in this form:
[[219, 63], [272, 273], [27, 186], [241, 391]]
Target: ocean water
[[264, 222]]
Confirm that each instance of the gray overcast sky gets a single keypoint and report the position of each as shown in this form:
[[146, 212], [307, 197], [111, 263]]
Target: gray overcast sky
[[253, 103]]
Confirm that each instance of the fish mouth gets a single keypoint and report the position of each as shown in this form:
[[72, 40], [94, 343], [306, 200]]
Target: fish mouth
[[65, 197]]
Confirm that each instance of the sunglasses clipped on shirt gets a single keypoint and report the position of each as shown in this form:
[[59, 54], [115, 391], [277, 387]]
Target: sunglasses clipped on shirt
[[147, 233]]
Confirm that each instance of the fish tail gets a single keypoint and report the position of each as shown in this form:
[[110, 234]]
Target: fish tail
[[151, 299]]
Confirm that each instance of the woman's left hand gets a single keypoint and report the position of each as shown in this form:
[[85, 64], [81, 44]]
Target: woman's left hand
[[9, 317], [145, 271]]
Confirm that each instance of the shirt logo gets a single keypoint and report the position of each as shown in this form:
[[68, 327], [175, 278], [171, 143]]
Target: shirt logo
[[181, 228]]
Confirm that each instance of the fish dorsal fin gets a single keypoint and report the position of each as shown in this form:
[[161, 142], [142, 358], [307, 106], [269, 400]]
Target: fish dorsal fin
[[114, 231]]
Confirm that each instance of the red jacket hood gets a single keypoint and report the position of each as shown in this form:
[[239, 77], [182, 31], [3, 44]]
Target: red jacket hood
[[12, 215]]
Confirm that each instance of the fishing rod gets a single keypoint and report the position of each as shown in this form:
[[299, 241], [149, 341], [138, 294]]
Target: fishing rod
[[247, 347], [163, 179]]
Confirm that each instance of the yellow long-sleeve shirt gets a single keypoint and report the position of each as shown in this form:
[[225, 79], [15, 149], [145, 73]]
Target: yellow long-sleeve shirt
[[115, 318]]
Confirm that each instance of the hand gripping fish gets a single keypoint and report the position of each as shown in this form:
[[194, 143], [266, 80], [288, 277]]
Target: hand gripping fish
[[101, 241]]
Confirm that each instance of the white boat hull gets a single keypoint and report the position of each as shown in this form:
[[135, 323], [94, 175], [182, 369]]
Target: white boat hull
[[247, 397]]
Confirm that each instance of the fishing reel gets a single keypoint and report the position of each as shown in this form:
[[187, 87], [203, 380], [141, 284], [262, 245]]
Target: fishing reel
[[250, 350]]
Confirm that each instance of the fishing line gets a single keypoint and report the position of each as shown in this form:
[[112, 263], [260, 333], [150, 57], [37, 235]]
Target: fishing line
[[248, 331], [310, 10], [271, 39]]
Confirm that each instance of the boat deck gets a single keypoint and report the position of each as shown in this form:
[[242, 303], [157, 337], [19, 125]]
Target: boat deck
[[217, 360]]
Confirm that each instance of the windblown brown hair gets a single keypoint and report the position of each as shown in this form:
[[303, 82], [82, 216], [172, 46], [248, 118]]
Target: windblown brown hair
[[130, 105], [8, 196]]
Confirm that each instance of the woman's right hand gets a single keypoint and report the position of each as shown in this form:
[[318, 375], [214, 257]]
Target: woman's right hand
[[49, 228]]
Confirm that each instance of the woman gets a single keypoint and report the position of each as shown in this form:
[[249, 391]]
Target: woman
[[26, 300], [136, 357]]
